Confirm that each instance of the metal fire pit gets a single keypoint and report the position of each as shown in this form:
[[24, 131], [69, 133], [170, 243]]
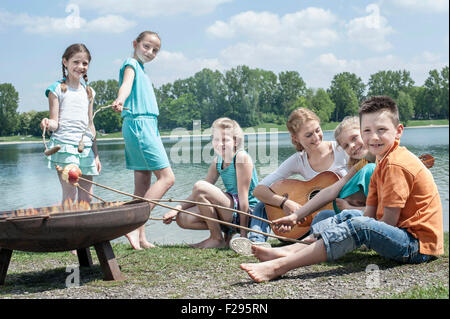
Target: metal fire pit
[[75, 230]]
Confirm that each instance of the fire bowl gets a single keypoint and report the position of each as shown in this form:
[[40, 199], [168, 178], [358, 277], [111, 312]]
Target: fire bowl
[[72, 230]]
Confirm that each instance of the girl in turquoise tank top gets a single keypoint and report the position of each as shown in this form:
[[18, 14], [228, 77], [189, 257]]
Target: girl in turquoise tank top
[[235, 166]]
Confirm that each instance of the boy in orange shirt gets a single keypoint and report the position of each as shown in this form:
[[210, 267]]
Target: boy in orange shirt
[[403, 217]]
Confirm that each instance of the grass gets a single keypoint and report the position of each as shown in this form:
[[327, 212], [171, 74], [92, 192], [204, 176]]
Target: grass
[[178, 271], [265, 126]]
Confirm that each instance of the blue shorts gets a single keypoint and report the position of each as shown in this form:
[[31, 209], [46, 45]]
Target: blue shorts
[[68, 154], [144, 150], [236, 216]]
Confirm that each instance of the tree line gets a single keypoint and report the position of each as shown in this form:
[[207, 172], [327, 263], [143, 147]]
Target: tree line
[[253, 96]]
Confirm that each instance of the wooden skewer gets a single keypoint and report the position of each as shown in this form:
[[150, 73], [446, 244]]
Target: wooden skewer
[[85, 190], [81, 143], [194, 214], [47, 151], [170, 200]]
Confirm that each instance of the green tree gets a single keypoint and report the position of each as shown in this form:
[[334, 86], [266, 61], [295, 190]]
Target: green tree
[[243, 96], [35, 122], [108, 121], [9, 102], [105, 92], [418, 94], [433, 86], [322, 105], [291, 86], [444, 93], [23, 126], [343, 97], [390, 83], [405, 106]]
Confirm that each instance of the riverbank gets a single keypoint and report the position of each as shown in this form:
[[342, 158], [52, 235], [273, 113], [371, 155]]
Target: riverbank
[[181, 272], [262, 129]]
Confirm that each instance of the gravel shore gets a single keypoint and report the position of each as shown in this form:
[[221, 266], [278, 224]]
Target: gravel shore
[[182, 272]]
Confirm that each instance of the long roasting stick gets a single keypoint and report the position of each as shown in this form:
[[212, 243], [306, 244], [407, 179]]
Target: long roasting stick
[[193, 214], [170, 200]]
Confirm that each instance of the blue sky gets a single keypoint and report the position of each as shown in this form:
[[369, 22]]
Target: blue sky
[[317, 38]]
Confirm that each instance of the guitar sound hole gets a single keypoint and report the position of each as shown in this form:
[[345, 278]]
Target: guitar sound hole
[[313, 193]]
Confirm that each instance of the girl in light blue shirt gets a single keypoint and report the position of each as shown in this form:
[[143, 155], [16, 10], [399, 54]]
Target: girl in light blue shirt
[[144, 150]]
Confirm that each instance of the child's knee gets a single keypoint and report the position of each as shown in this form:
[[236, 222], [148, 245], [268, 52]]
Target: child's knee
[[168, 178], [200, 188]]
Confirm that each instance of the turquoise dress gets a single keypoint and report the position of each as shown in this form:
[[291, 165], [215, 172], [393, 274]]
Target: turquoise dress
[[144, 149], [358, 182]]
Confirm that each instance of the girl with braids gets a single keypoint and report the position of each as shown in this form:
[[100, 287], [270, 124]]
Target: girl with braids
[[144, 150], [71, 104]]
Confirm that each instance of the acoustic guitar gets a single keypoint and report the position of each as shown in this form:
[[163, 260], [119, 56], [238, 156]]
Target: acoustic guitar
[[300, 192]]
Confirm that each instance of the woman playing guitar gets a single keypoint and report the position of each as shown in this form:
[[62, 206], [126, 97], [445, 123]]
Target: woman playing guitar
[[313, 156]]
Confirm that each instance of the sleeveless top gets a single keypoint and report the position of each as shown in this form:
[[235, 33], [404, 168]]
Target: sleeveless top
[[142, 99], [73, 115], [230, 180]]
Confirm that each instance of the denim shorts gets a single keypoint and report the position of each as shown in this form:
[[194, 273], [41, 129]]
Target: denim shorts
[[349, 230], [236, 220]]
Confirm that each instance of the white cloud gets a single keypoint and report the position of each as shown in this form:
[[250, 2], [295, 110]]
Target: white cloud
[[69, 24], [370, 30], [152, 8], [311, 27], [171, 66], [434, 6]]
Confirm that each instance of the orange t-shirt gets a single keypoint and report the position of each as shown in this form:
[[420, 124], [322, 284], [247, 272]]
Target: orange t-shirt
[[401, 180]]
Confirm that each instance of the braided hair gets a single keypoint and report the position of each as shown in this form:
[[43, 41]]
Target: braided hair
[[68, 53]]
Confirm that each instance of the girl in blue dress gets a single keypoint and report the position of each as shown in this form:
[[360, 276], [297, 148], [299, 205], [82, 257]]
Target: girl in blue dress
[[144, 150]]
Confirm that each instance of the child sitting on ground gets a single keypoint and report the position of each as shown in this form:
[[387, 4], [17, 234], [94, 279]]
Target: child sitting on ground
[[239, 177], [403, 216]]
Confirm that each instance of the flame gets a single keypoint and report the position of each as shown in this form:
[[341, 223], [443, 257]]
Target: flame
[[67, 206]]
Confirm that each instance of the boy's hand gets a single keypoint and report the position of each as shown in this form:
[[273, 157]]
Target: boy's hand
[[285, 224]]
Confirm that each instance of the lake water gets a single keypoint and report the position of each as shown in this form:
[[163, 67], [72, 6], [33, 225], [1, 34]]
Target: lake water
[[25, 180]]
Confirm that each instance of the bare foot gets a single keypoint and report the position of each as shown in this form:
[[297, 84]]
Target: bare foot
[[260, 272], [265, 253], [210, 243], [74, 252], [146, 244], [133, 237]]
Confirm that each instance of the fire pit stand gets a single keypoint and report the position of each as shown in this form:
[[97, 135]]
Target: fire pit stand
[[72, 231], [105, 254]]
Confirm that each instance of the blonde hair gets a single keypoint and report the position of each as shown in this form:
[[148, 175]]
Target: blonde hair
[[348, 123], [296, 120], [232, 127]]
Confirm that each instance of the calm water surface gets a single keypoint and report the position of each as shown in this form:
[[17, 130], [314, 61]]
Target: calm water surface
[[25, 180]]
